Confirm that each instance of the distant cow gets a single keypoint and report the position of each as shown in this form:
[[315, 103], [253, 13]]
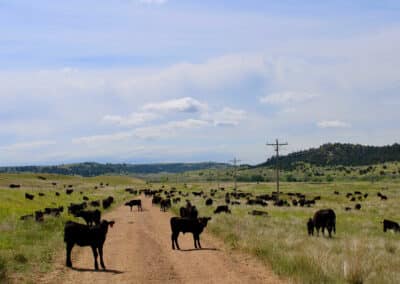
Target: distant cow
[[69, 191], [57, 194], [107, 202], [209, 201], [189, 212], [357, 206], [324, 218], [186, 225], [29, 196], [222, 208], [165, 204], [90, 216], [54, 211], [135, 202], [310, 227], [74, 208], [83, 235], [95, 203], [14, 185], [390, 225], [41, 194]]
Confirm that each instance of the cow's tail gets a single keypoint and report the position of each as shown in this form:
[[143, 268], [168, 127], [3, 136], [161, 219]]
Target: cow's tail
[[334, 226]]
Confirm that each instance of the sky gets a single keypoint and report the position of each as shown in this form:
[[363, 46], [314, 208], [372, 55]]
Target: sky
[[144, 81]]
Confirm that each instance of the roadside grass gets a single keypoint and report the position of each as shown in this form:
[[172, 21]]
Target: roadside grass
[[359, 252], [28, 247]]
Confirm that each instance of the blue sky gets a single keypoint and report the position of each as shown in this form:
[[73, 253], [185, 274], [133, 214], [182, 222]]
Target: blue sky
[[180, 80]]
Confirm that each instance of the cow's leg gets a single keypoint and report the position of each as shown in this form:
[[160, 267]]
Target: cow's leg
[[330, 231], [176, 241], [69, 249], [317, 231], [101, 257], [131, 208], [198, 241], [195, 240], [96, 265]]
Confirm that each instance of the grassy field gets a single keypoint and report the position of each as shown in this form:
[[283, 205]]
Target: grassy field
[[303, 172], [359, 252], [28, 247]]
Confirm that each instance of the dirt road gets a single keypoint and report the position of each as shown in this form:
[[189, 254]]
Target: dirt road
[[138, 250]]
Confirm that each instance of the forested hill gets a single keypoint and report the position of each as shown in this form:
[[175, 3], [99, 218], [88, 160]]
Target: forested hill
[[334, 154], [94, 169]]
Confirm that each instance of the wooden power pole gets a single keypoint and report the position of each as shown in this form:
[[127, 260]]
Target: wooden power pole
[[235, 161], [277, 144]]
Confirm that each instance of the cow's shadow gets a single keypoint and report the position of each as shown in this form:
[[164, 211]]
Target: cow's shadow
[[198, 249], [113, 271]]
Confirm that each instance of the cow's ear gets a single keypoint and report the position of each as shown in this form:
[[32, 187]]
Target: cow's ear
[[111, 223]]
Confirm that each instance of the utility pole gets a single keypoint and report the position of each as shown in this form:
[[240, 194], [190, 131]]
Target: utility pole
[[277, 144], [234, 161]]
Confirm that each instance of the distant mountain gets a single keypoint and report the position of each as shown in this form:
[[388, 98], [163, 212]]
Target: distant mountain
[[334, 154], [94, 169]]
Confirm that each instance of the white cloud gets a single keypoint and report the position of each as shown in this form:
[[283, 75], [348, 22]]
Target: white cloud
[[136, 118], [228, 117], [186, 104], [169, 129], [27, 145], [287, 97], [333, 124], [105, 138]]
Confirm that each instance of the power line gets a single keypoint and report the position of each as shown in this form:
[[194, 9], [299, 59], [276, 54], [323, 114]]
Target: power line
[[277, 145]]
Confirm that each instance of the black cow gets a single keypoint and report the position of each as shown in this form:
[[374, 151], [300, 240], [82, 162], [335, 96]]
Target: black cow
[[107, 202], [165, 204], [54, 211], [29, 196], [90, 216], [186, 225], [357, 206], [390, 225], [209, 201], [189, 212], [324, 218], [135, 202], [95, 203], [222, 208], [69, 191], [310, 227], [74, 208], [83, 235]]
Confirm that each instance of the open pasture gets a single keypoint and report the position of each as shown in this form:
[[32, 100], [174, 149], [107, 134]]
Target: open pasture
[[27, 246], [359, 252]]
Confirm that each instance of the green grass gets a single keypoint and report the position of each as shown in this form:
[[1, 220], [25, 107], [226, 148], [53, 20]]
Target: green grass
[[28, 247], [359, 253]]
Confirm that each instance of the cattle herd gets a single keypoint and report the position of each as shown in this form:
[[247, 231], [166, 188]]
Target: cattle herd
[[94, 232]]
